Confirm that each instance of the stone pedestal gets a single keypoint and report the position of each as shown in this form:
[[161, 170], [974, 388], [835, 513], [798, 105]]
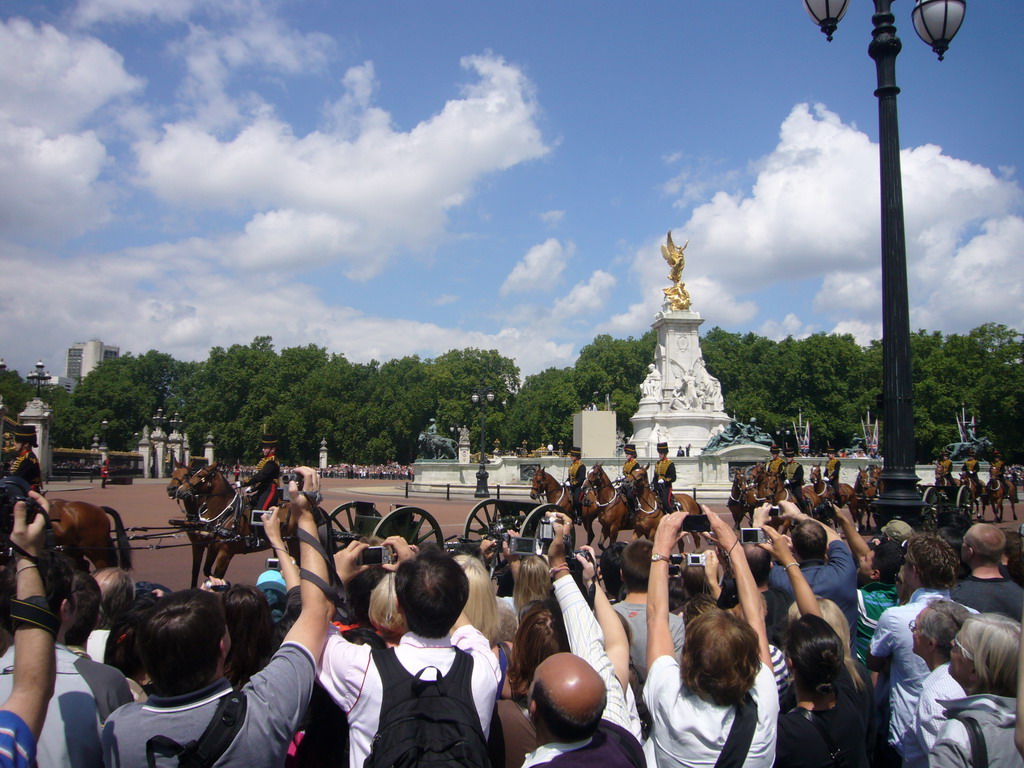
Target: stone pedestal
[[39, 415], [593, 432], [160, 446], [464, 447], [323, 453], [208, 450], [145, 449], [681, 403]]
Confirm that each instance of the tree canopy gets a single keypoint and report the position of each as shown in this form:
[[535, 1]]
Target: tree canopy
[[372, 412]]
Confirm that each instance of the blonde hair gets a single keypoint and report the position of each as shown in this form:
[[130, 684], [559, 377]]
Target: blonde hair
[[991, 640], [533, 582], [384, 613], [836, 619], [482, 605]]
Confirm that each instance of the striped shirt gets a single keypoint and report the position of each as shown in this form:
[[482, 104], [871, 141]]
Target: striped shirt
[[872, 601]]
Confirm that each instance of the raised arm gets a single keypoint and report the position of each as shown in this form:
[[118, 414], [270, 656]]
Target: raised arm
[[616, 642], [272, 528], [659, 636], [750, 598], [34, 661], [857, 544]]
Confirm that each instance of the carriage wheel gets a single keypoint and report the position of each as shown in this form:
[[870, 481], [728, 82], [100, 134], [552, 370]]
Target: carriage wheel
[[964, 500], [346, 519], [533, 520], [482, 519], [413, 524], [930, 496]]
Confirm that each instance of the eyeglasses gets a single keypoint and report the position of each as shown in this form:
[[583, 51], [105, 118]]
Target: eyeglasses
[[913, 625], [958, 647]]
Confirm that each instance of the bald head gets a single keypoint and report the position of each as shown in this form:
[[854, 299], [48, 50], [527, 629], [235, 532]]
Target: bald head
[[567, 699], [987, 543]]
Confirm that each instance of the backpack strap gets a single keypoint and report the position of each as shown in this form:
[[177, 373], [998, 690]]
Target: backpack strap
[[214, 742], [979, 750], [741, 735], [834, 751]]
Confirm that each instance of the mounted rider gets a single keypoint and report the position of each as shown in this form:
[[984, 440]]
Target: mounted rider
[[793, 474], [832, 471], [944, 470], [997, 471], [26, 463], [774, 467], [970, 467], [577, 476], [665, 471], [628, 490], [262, 486]]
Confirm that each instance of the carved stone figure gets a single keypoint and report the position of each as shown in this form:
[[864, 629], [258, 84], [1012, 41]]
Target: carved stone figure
[[433, 446], [651, 387]]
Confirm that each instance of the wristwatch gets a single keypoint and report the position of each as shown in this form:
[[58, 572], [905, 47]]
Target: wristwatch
[[656, 557]]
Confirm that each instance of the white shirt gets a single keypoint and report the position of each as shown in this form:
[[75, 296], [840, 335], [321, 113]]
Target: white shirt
[[686, 730], [348, 674], [929, 716], [907, 670]]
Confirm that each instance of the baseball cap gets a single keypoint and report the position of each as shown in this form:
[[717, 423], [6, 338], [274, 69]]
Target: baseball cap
[[271, 580], [897, 530]]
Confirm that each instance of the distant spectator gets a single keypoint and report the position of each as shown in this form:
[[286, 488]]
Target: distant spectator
[[986, 589], [118, 591], [250, 627], [87, 613], [984, 662], [636, 570], [933, 629], [928, 572]]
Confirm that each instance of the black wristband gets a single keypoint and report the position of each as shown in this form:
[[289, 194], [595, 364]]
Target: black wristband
[[34, 612], [23, 554]]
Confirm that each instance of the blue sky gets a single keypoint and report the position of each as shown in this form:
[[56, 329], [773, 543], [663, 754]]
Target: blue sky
[[397, 178]]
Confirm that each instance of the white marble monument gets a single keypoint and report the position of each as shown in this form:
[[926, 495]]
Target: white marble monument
[[681, 402]]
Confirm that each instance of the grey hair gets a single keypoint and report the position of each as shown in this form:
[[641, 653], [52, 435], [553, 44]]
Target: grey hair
[[941, 621], [992, 640]]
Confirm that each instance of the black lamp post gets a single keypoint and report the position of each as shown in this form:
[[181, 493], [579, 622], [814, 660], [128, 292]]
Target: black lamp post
[[103, 434], [38, 377], [158, 418], [936, 22], [482, 396]]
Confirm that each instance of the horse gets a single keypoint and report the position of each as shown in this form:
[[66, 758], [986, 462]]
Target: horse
[[978, 491], [651, 509], [609, 504], [553, 492], [199, 535], [769, 487], [227, 516], [742, 498], [942, 480], [997, 495], [82, 530], [818, 490]]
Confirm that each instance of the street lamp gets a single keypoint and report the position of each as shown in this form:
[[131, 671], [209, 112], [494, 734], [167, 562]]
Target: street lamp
[[38, 377], [103, 432], [482, 396], [936, 22], [158, 418]]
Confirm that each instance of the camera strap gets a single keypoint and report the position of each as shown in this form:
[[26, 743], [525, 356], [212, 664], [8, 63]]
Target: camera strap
[[330, 589]]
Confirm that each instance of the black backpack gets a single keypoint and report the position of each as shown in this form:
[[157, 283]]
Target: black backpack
[[427, 722]]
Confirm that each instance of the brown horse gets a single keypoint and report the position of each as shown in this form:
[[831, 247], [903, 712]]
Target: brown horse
[[553, 492], [943, 480], [82, 530], [742, 498], [997, 495], [199, 535], [978, 491], [651, 510], [226, 513], [818, 489], [607, 503], [769, 487]]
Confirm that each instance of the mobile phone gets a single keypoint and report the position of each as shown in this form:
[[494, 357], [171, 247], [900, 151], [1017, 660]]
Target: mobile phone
[[273, 564], [375, 556], [700, 560], [696, 523], [752, 536]]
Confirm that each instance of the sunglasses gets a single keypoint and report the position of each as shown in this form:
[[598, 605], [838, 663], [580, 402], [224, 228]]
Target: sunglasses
[[958, 647]]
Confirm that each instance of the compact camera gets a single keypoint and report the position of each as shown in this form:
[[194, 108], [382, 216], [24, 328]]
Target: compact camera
[[699, 560], [752, 536]]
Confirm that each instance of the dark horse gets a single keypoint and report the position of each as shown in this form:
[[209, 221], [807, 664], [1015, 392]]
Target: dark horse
[[607, 503], [82, 530], [553, 492], [225, 515], [651, 510], [743, 498], [199, 535]]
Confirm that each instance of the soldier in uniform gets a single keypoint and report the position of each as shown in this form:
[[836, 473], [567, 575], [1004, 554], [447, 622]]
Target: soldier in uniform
[[774, 467], [263, 484], [971, 467], [577, 476], [26, 463], [794, 477], [997, 471], [665, 471], [627, 470], [832, 471], [944, 470]]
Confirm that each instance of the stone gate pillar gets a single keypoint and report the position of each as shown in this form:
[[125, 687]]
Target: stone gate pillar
[[323, 453], [208, 449], [145, 449], [39, 415]]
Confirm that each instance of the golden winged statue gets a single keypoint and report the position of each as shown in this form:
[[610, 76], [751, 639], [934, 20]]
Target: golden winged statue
[[676, 297]]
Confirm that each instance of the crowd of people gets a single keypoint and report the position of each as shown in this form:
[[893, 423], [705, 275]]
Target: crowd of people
[[790, 643]]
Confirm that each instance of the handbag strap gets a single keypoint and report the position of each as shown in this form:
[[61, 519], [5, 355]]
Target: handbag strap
[[834, 751], [979, 749], [741, 735]]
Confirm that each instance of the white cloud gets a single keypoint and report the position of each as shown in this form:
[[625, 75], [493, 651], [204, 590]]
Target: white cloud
[[98, 11], [369, 197], [586, 298], [54, 82], [539, 269], [552, 218], [790, 325], [444, 299]]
